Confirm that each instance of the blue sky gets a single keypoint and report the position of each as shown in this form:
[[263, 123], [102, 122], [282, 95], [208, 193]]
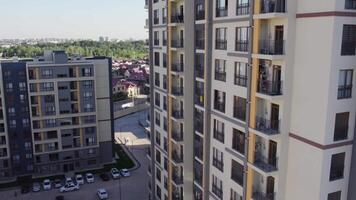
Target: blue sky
[[87, 19]]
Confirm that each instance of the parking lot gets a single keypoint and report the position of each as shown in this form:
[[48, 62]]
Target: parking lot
[[131, 188]]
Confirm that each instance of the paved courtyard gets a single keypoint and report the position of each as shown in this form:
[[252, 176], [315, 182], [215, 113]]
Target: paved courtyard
[[132, 188]]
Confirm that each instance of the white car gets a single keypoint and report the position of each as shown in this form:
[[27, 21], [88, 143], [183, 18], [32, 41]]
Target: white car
[[36, 187], [69, 180], [57, 183], [102, 194], [125, 173], [115, 173], [69, 187], [89, 178], [46, 184], [79, 178]]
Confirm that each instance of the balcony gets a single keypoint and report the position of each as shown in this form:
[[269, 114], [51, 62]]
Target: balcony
[[217, 191], [264, 163], [240, 80], [177, 179], [272, 47], [200, 43], [177, 18], [199, 71], [271, 88], [220, 44], [177, 158], [241, 45], [177, 43], [273, 6], [155, 20], [344, 91], [257, 195], [177, 67], [221, 12], [269, 127], [176, 195], [177, 91], [219, 164], [243, 9], [220, 76], [177, 114], [177, 135], [199, 126], [200, 15], [350, 4]]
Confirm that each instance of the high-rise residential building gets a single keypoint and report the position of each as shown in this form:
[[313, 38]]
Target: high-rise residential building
[[252, 99], [55, 115]]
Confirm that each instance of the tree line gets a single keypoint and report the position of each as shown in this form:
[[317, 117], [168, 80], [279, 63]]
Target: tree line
[[116, 50]]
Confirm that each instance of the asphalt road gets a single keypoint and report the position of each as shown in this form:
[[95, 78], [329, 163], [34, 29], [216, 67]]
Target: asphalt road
[[132, 188]]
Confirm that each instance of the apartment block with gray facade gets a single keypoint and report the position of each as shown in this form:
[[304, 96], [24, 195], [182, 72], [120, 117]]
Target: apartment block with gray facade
[[57, 115]]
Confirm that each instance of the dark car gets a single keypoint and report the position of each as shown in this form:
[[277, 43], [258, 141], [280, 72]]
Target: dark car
[[104, 177], [25, 189], [60, 197]]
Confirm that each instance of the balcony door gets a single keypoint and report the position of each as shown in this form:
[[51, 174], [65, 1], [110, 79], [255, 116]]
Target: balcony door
[[270, 187], [272, 153], [278, 39], [274, 117], [276, 79]]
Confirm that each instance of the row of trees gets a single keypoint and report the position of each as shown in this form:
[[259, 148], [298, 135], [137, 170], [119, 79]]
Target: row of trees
[[118, 50]]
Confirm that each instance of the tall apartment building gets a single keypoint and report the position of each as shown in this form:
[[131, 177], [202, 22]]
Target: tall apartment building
[[55, 115], [252, 99]]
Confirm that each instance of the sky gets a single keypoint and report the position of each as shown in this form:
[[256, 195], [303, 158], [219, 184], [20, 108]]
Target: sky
[[77, 19]]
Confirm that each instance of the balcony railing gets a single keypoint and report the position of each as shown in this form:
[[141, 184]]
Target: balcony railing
[[176, 195], [221, 44], [177, 179], [200, 43], [272, 47], [219, 164], [178, 114], [243, 9], [177, 135], [348, 48], [178, 43], [257, 195], [350, 4], [155, 20], [220, 76], [219, 135], [177, 158], [177, 67], [241, 80], [177, 18], [269, 127], [273, 6], [221, 12], [271, 88], [217, 191], [264, 163], [198, 151], [220, 106], [344, 91], [177, 91], [200, 15], [241, 45], [199, 71], [156, 42], [199, 126]]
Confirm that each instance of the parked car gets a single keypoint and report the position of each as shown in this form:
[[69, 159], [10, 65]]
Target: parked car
[[104, 177], [79, 178], [46, 184], [69, 180], [102, 194], [60, 197], [69, 187], [57, 183], [115, 173], [89, 178], [36, 187], [125, 173], [25, 189]]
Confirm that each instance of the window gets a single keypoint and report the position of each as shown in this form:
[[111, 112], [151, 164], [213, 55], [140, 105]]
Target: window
[[240, 108], [242, 36], [87, 72], [156, 58], [88, 107], [234, 195], [164, 81], [237, 172], [22, 98], [9, 87], [164, 103], [220, 73], [219, 101], [334, 196], [25, 122], [158, 174], [87, 95], [46, 73], [345, 84], [22, 86], [221, 8], [350, 4], [199, 12], [219, 130], [348, 46], [158, 118], [12, 123], [47, 86], [220, 39], [158, 138], [240, 74], [164, 16], [157, 82], [337, 166], [218, 159], [158, 192], [158, 155], [156, 38], [243, 7], [155, 17], [157, 99], [341, 126], [164, 38], [88, 84], [217, 187], [238, 141], [11, 111]]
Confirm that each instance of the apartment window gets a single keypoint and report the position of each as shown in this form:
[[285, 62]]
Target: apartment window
[[164, 60], [25, 122], [164, 38], [87, 72], [243, 7], [7, 73], [88, 84], [164, 81], [157, 82], [165, 144], [237, 172], [337, 166], [9, 87], [164, 16], [240, 74], [87, 95], [234, 195], [240, 108], [334, 196], [158, 174], [220, 39], [345, 84], [238, 141], [220, 73], [158, 138], [12, 123], [164, 103], [348, 46], [47, 86], [242, 36], [11, 111], [219, 130], [155, 17], [46, 73], [199, 12], [156, 38], [217, 186], [157, 99], [158, 119], [156, 58], [22, 98], [341, 126], [158, 156], [158, 192], [22, 86], [165, 163], [219, 100], [350, 4], [165, 124], [218, 159], [221, 8], [88, 107]]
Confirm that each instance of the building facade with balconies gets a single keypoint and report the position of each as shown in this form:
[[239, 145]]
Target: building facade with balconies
[[57, 114], [251, 94]]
